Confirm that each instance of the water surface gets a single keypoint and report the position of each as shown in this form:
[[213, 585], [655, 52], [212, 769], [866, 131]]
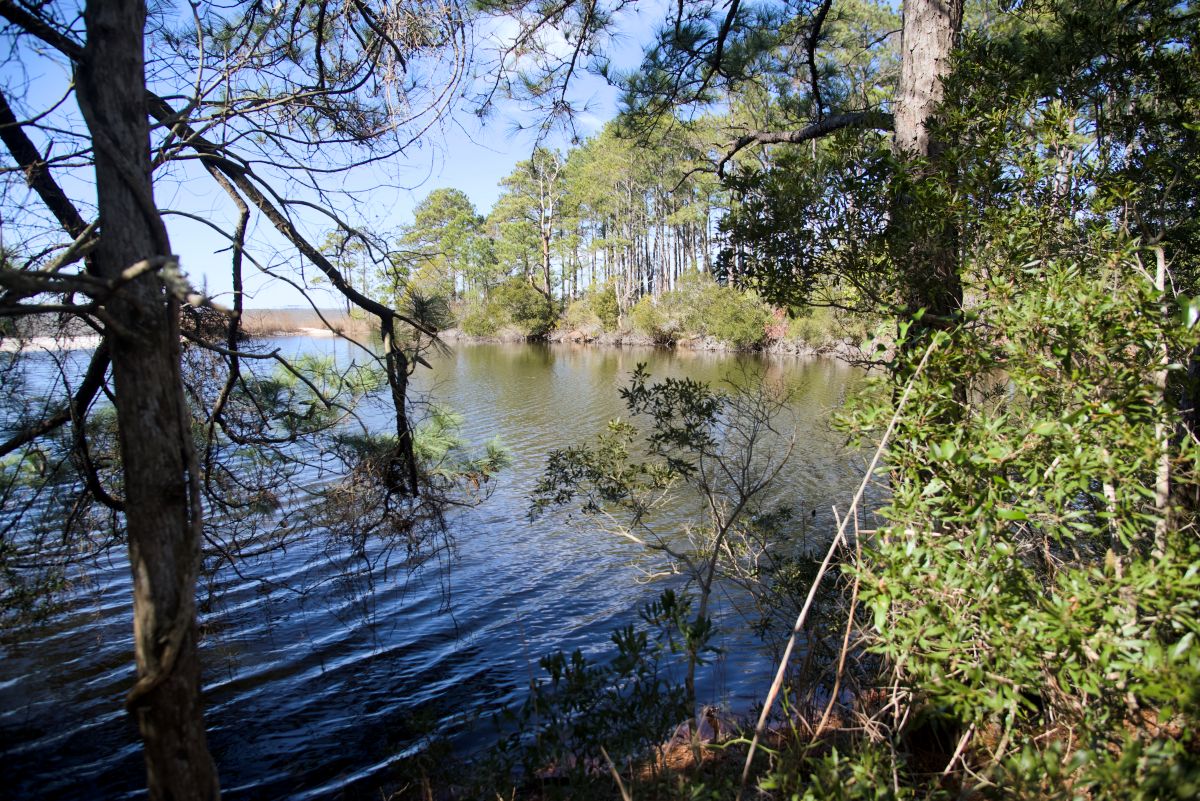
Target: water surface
[[312, 696]]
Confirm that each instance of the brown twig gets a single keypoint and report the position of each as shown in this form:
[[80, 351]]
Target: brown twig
[[777, 684]]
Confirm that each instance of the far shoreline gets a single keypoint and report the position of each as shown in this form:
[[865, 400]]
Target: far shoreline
[[328, 323]]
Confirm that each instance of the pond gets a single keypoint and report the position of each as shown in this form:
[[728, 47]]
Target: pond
[[312, 696]]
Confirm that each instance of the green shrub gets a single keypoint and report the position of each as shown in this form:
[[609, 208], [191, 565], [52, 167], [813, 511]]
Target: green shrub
[[579, 316], [478, 320], [735, 317], [1028, 580], [686, 307], [524, 307], [603, 304], [819, 326], [812, 326], [862, 774], [646, 318], [699, 305]]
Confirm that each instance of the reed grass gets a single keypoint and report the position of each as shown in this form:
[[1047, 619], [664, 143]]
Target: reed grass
[[283, 322]]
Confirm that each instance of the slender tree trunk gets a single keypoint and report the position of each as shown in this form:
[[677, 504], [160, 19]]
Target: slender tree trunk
[[648, 267], [402, 472], [163, 514], [546, 262]]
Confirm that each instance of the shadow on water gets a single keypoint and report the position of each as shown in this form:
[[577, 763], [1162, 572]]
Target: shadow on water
[[309, 695]]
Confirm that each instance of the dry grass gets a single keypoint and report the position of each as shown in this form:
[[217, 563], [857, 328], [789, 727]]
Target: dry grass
[[282, 322]]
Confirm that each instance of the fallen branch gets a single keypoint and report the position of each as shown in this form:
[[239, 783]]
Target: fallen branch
[[777, 684]]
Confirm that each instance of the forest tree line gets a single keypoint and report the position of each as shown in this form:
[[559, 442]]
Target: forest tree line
[[653, 198], [615, 213]]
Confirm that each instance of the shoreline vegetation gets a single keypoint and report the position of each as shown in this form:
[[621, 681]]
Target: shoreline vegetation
[[847, 348], [304, 322], [817, 333], [701, 315], [813, 332]]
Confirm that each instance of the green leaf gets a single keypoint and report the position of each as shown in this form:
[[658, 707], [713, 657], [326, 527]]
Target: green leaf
[[1191, 312], [880, 607]]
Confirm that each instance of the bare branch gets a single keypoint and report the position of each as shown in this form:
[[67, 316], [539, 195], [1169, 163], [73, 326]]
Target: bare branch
[[30, 159], [854, 119], [40, 28], [814, 37], [84, 395]]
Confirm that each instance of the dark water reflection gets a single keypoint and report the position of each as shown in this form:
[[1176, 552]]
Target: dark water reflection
[[312, 696]]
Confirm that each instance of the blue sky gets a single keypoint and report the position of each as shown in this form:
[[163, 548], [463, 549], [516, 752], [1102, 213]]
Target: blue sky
[[461, 152], [465, 155]]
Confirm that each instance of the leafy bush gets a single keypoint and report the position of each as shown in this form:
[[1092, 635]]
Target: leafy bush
[[579, 316], [478, 320], [700, 306], [1032, 580], [603, 304], [646, 318], [686, 308], [734, 317], [712, 458], [524, 307], [814, 326], [864, 774]]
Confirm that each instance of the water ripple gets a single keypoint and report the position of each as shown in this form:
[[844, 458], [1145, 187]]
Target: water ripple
[[311, 695]]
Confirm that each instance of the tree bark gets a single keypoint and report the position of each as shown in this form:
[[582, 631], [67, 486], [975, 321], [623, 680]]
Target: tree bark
[[929, 241], [546, 263], [402, 472], [163, 515], [930, 32]]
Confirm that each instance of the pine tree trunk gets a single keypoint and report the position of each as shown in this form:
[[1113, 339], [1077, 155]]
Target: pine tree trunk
[[162, 504], [931, 29], [545, 239], [928, 252]]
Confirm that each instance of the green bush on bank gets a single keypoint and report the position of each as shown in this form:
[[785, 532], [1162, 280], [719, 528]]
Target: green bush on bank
[[697, 307], [821, 326], [1029, 582], [478, 320], [524, 307], [648, 319], [515, 303], [603, 303], [579, 317], [738, 318], [700, 306], [595, 312]]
